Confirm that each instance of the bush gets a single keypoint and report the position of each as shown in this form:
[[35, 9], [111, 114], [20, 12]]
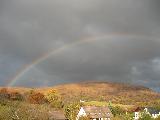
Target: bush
[[84, 118], [117, 110], [5, 113], [145, 116], [54, 99], [4, 94], [23, 111], [158, 118], [32, 112], [71, 110], [15, 96], [36, 98]]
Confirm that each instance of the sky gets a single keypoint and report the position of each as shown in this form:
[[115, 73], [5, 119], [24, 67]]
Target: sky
[[102, 40]]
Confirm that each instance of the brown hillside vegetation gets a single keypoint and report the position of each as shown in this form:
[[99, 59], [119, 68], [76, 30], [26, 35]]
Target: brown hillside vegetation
[[104, 91], [100, 91]]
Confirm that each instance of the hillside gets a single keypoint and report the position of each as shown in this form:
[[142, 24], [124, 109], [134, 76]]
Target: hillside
[[105, 91], [118, 93]]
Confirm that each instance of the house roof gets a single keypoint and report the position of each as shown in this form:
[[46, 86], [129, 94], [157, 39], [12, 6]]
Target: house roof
[[153, 110], [57, 115], [97, 112]]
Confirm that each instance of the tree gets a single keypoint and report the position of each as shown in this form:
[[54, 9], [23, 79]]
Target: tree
[[36, 98], [116, 110], [71, 110], [54, 98]]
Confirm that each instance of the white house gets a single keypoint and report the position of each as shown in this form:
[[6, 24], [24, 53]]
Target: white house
[[95, 113], [149, 110]]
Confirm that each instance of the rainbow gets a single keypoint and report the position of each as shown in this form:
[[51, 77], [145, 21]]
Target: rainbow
[[42, 58]]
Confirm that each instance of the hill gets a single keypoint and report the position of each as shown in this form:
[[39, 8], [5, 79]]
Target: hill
[[118, 93], [104, 91], [34, 103]]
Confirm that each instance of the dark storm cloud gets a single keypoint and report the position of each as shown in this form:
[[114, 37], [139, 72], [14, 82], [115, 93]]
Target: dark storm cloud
[[28, 29]]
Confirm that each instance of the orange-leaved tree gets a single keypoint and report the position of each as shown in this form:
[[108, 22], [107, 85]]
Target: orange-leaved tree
[[36, 98]]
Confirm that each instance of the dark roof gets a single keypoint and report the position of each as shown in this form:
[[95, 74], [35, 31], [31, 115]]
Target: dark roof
[[153, 110], [57, 115], [97, 112]]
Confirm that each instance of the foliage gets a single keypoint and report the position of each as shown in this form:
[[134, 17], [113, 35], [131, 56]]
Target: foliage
[[4, 94], [128, 117], [16, 96], [71, 110], [16, 110], [96, 103], [36, 98], [84, 118], [54, 99], [5, 113], [145, 116], [116, 110], [101, 98], [123, 117], [158, 118]]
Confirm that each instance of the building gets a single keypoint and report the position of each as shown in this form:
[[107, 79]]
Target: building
[[95, 113], [149, 110]]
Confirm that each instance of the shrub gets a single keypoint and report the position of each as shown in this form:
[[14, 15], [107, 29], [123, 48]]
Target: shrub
[[54, 99], [15, 96], [36, 98], [4, 93], [116, 110], [32, 112], [158, 118], [71, 110], [84, 118], [5, 113], [16, 110], [145, 116]]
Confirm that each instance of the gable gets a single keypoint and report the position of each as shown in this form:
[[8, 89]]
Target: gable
[[82, 112]]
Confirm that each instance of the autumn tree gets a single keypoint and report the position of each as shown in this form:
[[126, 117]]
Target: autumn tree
[[71, 110], [4, 93], [116, 110], [54, 98], [36, 98]]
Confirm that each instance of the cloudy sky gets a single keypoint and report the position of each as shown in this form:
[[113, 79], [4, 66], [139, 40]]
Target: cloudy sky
[[129, 51]]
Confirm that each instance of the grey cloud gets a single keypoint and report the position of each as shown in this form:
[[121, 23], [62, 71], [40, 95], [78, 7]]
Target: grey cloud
[[122, 60], [28, 29]]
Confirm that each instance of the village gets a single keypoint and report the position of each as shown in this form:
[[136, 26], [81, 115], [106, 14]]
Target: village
[[51, 104], [109, 113]]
